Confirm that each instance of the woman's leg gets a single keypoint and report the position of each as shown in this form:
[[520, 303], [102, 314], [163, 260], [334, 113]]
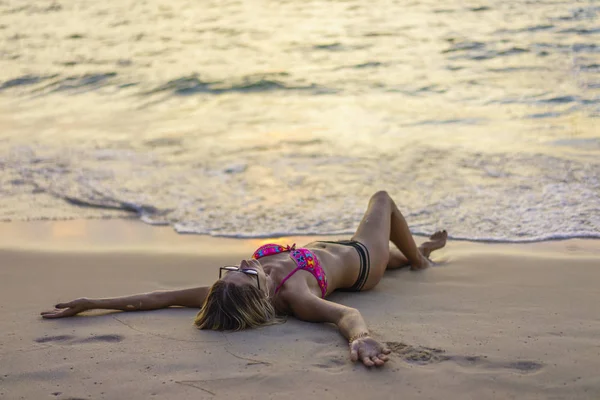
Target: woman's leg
[[383, 223], [399, 260]]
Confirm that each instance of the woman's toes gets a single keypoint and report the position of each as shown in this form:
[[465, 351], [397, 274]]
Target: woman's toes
[[439, 235]]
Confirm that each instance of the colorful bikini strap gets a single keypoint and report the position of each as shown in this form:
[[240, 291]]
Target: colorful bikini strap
[[270, 249]]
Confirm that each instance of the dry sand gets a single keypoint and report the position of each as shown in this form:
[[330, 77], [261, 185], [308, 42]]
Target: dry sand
[[494, 321]]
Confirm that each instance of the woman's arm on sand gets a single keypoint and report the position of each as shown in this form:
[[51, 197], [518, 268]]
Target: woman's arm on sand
[[349, 321], [193, 298]]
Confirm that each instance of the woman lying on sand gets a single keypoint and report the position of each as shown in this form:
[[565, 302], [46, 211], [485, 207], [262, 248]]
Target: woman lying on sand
[[288, 280]]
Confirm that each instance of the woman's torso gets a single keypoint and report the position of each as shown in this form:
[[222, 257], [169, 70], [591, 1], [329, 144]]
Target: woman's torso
[[340, 264]]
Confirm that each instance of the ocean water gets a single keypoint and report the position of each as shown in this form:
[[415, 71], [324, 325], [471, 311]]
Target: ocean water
[[271, 117]]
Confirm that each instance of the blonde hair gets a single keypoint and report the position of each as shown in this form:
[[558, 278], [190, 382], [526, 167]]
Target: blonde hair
[[235, 307]]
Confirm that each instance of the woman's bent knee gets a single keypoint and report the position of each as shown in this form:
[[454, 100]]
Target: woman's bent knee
[[381, 195]]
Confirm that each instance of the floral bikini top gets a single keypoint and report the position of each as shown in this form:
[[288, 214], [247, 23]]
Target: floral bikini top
[[304, 259]]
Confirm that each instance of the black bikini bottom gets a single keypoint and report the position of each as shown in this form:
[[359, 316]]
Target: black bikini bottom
[[365, 263]]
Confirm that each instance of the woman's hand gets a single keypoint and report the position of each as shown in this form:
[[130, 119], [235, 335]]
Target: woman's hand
[[69, 309], [369, 351]]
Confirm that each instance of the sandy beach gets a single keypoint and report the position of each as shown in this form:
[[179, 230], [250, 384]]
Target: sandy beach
[[492, 321], [144, 144]]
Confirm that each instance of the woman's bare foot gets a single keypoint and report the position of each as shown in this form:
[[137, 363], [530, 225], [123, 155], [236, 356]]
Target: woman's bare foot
[[436, 241]]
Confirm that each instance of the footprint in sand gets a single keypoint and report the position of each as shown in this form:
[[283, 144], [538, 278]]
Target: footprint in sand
[[102, 339], [417, 354], [59, 338], [428, 355], [70, 339], [332, 363], [524, 367]]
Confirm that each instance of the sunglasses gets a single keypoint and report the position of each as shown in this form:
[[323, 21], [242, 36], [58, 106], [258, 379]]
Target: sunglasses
[[247, 271]]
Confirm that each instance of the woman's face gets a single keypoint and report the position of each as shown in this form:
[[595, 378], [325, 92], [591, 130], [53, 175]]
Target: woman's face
[[240, 278]]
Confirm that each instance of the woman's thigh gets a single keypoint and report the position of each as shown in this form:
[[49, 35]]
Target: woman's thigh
[[374, 232]]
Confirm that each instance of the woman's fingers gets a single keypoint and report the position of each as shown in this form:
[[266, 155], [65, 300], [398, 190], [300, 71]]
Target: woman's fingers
[[354, 353], [367, 361], [377, 361], [50, 315], [66, 312], [67, 309], [368, 354]]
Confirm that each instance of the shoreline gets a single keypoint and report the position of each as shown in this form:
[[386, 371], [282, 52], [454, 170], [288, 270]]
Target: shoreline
[[134, 235], [489, 321]]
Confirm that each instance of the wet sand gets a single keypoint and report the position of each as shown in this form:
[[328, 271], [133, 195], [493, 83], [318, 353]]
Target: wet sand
[[491, 321]]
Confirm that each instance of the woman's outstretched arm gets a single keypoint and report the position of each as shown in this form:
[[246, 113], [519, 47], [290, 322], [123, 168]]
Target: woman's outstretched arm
[[193, 298], [349, 321]]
